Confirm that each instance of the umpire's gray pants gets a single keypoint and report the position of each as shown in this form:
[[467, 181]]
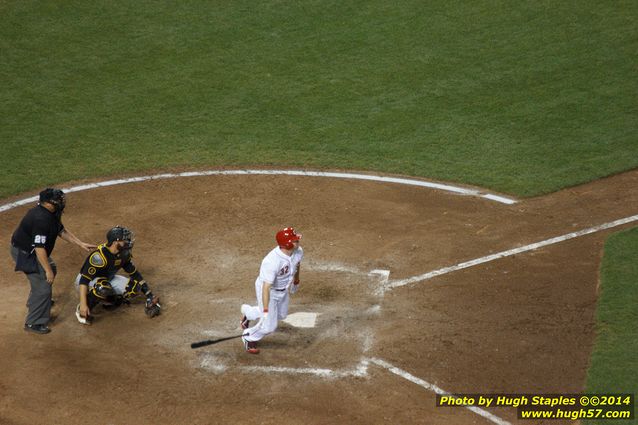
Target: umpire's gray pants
[[39, 301]]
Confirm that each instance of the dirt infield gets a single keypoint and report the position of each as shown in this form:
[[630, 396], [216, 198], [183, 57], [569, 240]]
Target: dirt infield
[[519, 324]]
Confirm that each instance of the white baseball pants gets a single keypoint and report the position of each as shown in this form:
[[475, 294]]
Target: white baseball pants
[[118, 282], [277, 310]]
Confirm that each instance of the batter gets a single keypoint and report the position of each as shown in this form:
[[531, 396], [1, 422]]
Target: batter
[[278, 277]]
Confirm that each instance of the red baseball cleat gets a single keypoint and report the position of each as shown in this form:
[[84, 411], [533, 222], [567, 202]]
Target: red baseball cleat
[[250, 346]]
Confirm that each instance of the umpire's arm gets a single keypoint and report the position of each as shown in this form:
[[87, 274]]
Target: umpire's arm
[[70, 237], [43, 258]]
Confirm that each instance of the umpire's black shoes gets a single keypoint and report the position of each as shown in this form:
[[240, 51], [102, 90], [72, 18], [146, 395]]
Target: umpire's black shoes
[[38, 329]]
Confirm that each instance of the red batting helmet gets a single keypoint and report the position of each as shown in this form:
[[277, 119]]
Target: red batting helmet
[[286, 237]]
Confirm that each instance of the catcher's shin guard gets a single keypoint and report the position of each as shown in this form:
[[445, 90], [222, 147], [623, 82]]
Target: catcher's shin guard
[[135, 288], [131, 290]]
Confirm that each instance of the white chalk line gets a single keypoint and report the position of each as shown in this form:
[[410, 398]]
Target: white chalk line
[[431, 387], [398, 283], [361, 371], [381, 276], [410, 182], [331, 267], [210, 363]]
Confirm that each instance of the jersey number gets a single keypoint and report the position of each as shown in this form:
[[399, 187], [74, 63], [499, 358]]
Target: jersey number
[[283, 271]]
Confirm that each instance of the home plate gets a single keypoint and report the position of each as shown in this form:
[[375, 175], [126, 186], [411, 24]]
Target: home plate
[[301, 320]]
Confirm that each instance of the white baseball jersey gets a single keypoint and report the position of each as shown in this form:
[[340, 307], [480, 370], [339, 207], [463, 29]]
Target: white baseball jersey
[[279, 269]]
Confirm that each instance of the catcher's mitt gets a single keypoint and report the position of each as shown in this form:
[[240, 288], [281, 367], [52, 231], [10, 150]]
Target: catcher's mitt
[[152, 308]]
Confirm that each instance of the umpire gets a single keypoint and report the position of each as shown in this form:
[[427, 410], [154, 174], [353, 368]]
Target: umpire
[[31, 246]]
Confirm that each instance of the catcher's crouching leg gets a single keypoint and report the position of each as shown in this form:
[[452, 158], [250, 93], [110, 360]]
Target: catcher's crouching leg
[[101, 292], [135, 288]]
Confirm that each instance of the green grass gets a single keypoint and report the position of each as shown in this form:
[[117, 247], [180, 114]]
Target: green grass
[[524, 98], [614, 363]]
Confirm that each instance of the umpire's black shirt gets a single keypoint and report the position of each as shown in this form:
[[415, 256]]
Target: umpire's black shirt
[[39, 228]]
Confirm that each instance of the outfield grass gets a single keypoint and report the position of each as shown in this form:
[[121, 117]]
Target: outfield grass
[[523, 98], [614, 363]]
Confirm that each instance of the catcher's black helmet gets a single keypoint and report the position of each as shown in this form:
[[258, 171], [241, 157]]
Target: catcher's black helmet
[[55, 197], [120, 233]]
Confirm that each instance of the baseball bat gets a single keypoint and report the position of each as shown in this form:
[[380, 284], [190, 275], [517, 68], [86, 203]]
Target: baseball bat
[[213, 341]]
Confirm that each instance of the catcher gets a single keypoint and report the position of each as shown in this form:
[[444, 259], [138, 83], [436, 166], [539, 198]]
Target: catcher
[[98, 282]]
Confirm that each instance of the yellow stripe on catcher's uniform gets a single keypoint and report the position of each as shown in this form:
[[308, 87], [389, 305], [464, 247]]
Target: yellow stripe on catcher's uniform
[[133, 289]]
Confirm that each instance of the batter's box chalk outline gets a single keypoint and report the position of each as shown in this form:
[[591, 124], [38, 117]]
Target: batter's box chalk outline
[[360, 370], [380, 276]]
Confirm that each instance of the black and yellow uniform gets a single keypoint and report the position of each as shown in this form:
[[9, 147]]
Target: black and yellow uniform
[[102, 265]]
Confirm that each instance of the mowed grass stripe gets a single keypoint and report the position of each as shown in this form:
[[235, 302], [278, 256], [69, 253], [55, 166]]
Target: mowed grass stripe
[[522, 99]]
